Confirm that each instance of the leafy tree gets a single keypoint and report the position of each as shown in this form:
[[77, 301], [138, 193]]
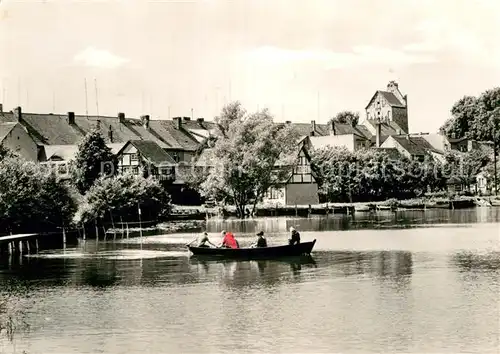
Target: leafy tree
[[250, 155], [32, 199], [346, 117], [464, 113], [466, 165], [367, 175], [120, 196], [477, 118], [6, 152], [94, 158]]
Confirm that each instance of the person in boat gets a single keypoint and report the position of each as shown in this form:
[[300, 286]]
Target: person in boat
[[228, 240], [294, 237], [203, 241], [261, 241]]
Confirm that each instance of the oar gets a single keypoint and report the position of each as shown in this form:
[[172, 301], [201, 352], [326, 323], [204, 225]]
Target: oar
[[188, 244]]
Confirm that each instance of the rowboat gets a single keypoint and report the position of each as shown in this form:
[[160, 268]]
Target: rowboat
[[304, 248]]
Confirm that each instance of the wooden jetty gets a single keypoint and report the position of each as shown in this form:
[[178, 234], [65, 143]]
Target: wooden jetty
[[20, 243]]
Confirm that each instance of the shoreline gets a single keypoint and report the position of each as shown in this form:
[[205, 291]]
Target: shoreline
[[197, 212]]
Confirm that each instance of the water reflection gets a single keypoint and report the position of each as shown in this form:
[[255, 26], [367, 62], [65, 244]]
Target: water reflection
[[474, 262], [377, 220]]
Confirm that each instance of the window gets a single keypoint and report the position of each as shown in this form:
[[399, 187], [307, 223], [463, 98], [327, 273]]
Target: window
[[62, 169], [274, 193], [134, 157], [135, 170]]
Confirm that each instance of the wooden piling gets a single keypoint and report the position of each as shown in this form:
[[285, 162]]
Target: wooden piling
[[10, 247], [20, 247], [84, 236], [28, 246], [96, 229], [121, 223], [36, 245], [104, 230], [128, 231], [64, 235]]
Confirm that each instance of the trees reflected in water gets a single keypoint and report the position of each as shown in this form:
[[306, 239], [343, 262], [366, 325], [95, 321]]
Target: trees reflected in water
[[476, 262]]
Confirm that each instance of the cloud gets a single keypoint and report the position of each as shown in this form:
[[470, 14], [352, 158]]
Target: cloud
[[99, 58], [361, 55]]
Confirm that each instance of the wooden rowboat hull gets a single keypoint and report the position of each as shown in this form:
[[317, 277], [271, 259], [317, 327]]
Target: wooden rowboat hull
[[304, 248]]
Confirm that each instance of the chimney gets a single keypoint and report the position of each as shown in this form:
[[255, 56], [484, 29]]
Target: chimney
[[200, 120], [178, 122], [313, 127], [145, 121], [18, 114], [186, 119], [1, 108], [121, 117], [378, 133], [110, 134], [71, 118], [288, 122], [392, 84], [98, 124], [408, 137], [332, 127]]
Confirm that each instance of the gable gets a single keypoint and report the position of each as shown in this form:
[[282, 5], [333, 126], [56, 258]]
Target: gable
[[385, 97], [5, 130]]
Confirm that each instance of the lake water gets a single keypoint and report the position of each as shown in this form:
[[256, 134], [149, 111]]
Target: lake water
[[414, 282]]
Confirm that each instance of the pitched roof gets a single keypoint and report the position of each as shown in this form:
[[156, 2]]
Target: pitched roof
[[392, 152], [387, 128], [5, 129], [306, 128], [54, 129], [151, 151], [364, 131], [68, 152], [390, 97], [415, 145]]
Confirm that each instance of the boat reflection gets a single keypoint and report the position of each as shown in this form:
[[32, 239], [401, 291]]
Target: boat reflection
[[233, 273]]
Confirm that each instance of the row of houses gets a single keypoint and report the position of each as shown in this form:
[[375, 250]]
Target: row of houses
[[167, 147]]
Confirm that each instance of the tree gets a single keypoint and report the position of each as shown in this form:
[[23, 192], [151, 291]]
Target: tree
[[250, 155], [479, 119], [111, 198], [6, 152], [466, 165], [464, 113], [487, 126], [93, 159], [346, 117], [368, 175], [31, 199]]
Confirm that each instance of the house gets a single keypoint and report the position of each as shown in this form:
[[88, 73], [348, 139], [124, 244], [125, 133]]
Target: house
[[389, 106], [147, 157], [413, 147], [343, 135], [300, 186], [482, 183], [15, 138]]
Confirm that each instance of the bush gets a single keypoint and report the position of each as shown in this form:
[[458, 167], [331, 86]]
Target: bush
[[110, 199], [32, 200]]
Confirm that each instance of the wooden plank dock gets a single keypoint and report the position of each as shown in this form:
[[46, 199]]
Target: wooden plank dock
[[20, 243]]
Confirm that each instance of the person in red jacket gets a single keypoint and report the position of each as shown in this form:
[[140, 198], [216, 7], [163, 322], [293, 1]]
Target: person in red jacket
[[229, 241]]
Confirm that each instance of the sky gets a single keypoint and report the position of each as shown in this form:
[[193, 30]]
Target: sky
[[304, 60]]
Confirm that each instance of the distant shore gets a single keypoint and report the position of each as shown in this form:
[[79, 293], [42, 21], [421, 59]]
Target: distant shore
[[424, 203]]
